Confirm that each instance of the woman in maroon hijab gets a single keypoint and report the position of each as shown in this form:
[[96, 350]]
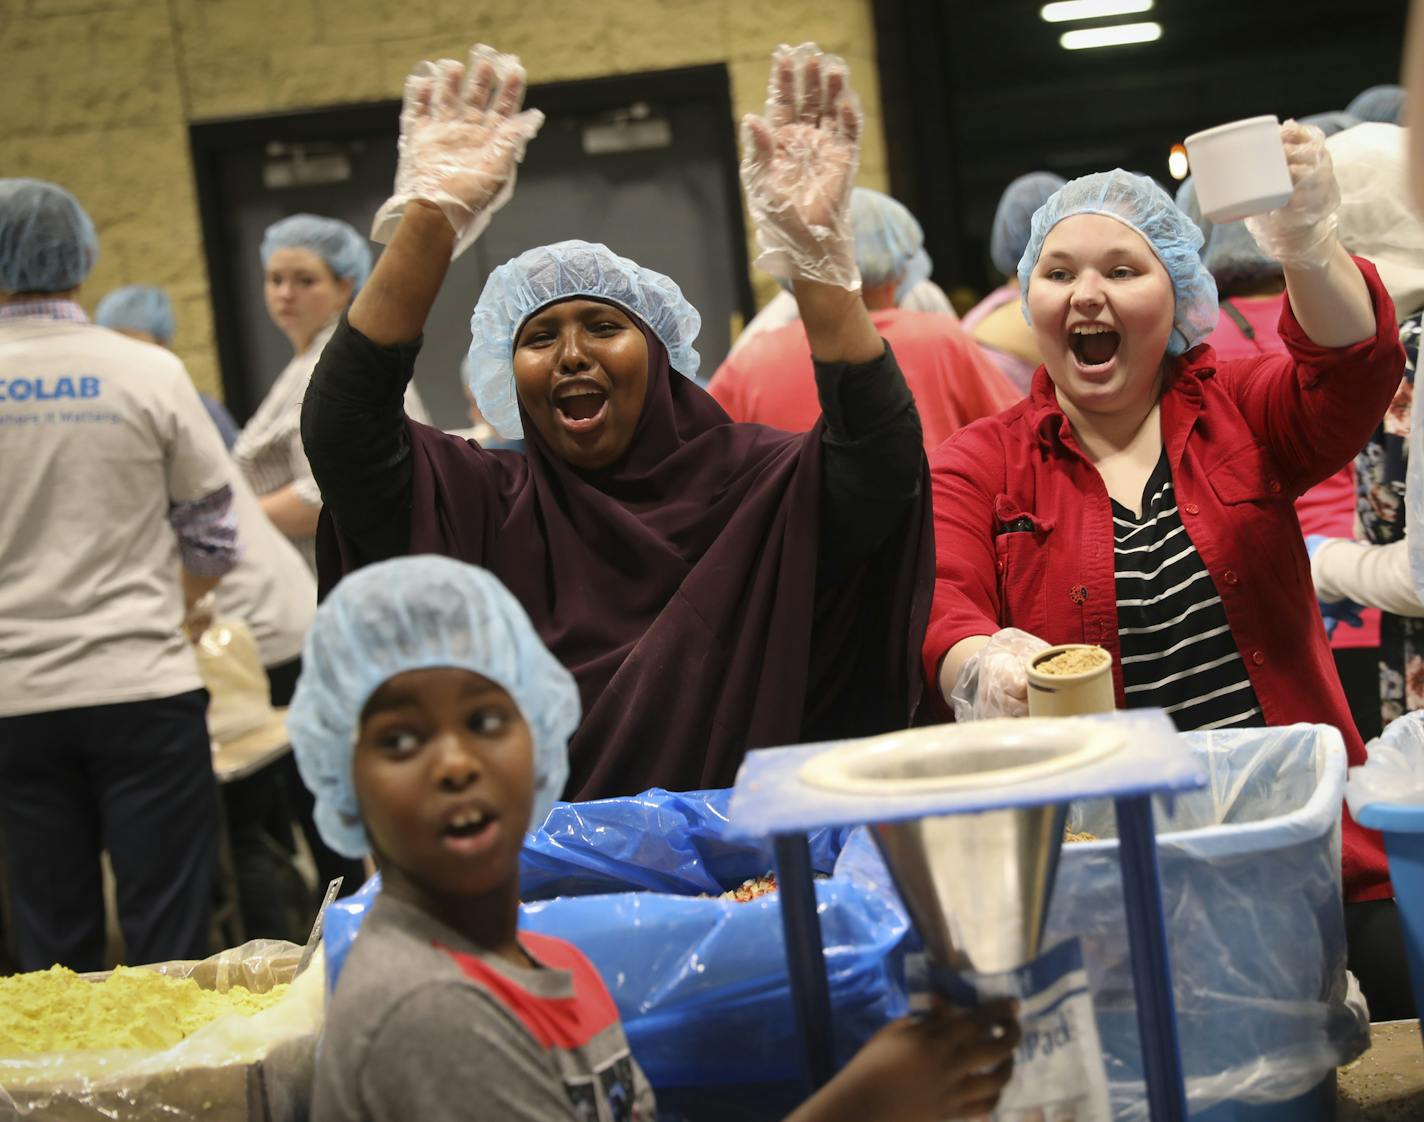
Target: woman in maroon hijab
[[713, 587]]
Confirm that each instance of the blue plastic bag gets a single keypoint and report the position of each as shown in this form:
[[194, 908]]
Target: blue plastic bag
[[700, 982]]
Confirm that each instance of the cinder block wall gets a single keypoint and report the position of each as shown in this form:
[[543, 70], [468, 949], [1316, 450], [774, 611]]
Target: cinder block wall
[[96, 94]]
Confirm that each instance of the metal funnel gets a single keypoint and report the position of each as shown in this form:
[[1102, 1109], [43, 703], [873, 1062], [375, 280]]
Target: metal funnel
[[977, 885]]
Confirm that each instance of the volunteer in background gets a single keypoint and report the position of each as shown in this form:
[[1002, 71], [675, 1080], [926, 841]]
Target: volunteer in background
[[711, 586], [145, 313], [996, 322], [312, 268], [1142, 498], [115, 484], [773, 380]]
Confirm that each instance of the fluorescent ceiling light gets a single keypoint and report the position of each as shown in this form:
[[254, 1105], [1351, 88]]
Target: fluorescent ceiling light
[[1114, 36], [1067, 10]]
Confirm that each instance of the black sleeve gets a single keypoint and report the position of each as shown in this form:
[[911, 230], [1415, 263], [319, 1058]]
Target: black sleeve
[[873, 448], [353, 430]]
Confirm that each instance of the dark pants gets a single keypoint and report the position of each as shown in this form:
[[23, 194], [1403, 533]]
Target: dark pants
[[1377, 959], [135, 779], [260, 809]]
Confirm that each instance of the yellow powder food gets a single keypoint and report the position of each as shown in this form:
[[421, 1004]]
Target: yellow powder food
[[1077, 661], [56, 1010], [1074, 836]]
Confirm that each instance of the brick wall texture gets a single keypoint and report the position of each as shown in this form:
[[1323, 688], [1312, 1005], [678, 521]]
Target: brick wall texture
[[97, 94]]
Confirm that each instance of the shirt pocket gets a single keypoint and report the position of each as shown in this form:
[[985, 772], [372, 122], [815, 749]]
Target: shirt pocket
[[1246, 474], [1021, 543]]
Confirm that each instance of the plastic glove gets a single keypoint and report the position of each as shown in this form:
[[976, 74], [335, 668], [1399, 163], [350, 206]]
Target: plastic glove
[[798, 167], [1314, 542], [994, 682], [1302, 233], [1336, 612], [462, 137]]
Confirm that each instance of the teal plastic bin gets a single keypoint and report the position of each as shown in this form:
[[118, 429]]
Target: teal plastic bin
[[1387, 794], [1403, 829]]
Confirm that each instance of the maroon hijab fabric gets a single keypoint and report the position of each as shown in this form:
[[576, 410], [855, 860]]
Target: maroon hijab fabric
[[679, 587]]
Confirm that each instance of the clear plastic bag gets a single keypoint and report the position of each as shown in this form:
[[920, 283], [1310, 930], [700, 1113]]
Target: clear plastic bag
[[214, 1074], [1394, 772], [1251, 888], [239, 695]]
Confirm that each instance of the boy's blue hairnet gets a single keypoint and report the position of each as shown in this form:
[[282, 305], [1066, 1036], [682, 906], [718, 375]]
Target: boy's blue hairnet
[[1013, 218], [1142, 205], [546, 275], [139, 307], [1230, 253], [415, 613], [1381, 104], [889, 242], [346, 253], [47, 242]]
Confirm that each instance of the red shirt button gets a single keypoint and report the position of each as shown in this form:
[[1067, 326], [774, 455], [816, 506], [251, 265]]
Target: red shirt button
[[1274, 487], [1258, 657], [999, 565], [1191, 508], [1231, 578]]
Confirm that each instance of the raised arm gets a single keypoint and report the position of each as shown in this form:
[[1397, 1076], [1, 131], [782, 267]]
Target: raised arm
[[462, 136], [1315, 409]]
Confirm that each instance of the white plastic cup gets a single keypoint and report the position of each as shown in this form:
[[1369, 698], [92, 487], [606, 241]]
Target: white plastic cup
[[1239, 169]]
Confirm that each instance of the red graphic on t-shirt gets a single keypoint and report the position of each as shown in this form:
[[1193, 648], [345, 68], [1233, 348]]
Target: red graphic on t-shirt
[[555, 1022]]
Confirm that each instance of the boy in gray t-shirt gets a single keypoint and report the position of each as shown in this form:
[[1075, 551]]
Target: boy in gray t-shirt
[[432, 725]]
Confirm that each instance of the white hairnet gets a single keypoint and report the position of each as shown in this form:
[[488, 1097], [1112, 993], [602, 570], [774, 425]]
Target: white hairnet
[[1382, 104], [1230, 253], [550, 273], [1376, 219], [1139, 203], [1013, 218], [415, 613], [889, 243], [138, 307], [47, 242], [346, 253]]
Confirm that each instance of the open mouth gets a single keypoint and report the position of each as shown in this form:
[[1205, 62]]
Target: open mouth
[[1094, 345], [469, 830], [583, 410]]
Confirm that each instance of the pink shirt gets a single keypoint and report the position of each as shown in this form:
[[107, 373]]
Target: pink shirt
[[771, 382]]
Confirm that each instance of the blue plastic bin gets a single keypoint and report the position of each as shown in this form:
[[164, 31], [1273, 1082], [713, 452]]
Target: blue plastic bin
[[1403, 829]]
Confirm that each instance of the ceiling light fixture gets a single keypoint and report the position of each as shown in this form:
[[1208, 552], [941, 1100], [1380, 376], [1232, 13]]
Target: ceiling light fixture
[[1065, 11], [1115, 36]]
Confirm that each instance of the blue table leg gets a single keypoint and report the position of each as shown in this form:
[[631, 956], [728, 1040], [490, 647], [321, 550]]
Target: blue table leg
[[1151, 968], [805, 958]]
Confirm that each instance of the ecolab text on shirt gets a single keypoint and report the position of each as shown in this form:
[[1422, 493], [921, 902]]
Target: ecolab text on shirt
[[41, 389]]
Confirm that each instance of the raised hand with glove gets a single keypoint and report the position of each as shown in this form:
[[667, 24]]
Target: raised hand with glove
[[462, 138], [1327, 293], [1334, 612]]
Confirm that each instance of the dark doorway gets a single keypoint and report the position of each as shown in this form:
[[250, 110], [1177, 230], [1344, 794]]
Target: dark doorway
[[644, 163], [976, 94]]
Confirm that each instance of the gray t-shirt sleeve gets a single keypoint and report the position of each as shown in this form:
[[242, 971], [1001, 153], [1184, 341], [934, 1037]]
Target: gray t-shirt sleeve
[[448, 1051]]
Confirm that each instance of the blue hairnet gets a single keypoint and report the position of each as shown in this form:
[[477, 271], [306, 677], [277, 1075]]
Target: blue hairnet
[[415, 613], [888, 241], [346, 253], [47, 242], [1331, 122], [1013, 219], [1382, 104], [543, 276], [139, 307], [1139, 203], [1230, 253]]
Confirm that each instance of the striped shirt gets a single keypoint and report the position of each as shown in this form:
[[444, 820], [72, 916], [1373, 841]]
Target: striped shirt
[[1178, 652]]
